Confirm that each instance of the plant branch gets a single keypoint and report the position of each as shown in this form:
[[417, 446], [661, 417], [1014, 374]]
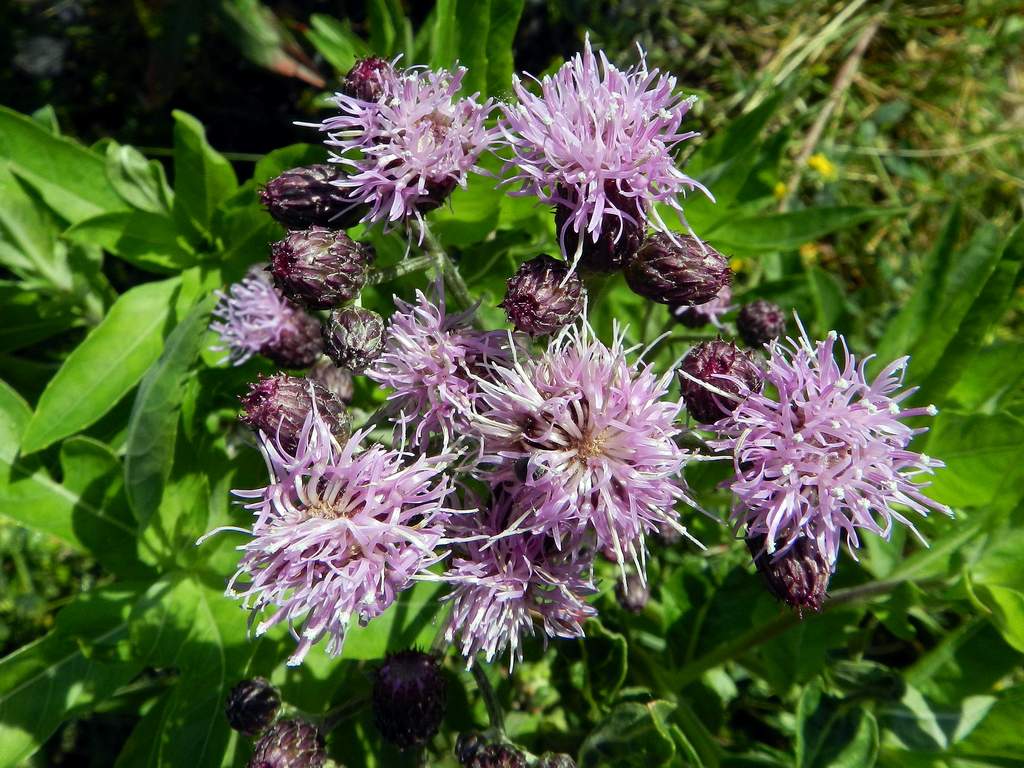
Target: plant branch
[[449, 269], [404, 267], [494, 713]]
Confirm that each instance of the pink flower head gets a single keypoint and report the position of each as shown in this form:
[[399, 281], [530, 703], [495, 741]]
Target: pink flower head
[[587, 441], [429, 360], [339, 532], [708, 312], [599, 141], [506, 583], [828, 455], [254, 317], [407, 151]]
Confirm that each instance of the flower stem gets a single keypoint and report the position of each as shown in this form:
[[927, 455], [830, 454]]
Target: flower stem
[[333, 717], [452, 277], [494, 713], [404, 267]]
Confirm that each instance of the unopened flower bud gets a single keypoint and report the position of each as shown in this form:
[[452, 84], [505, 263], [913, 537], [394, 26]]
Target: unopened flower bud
[[716, 365], [320, 268], [619, 239], [335, 380], [473, 751], [409, 698], [799, 576], [305, 197], [252, 705], [677, 273], [278, 405], [366, 79], [555, 760], [292, 743], [634, 594], [354, 337], [542, 297], [759, 322]]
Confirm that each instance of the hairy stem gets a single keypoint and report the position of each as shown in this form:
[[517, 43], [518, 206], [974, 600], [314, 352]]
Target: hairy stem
[[453, 280], [494, 713], [404, 267]]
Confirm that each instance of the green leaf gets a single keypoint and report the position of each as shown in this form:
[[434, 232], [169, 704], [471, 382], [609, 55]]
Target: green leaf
[[244, 232], [187, 625], [505, 15], [68, 177], [786, 231], [986, 310], [633, 735], [982, 455], [153, 425], [604, 659], [61, 675], [962, 282], [28, 237], [997, 737], [15, 414], [834, 733], [150, 241], [202, 177], [104, 367], [903, 331], [444, 40], [335, 41], [997, 585], [409, 623], [86, 510], [383, 32], [140, 182]]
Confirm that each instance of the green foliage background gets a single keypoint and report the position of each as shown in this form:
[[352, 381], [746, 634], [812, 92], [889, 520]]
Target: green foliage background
[[118, 440]]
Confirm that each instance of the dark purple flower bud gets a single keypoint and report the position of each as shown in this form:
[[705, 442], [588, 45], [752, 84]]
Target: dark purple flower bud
[[542, 297], [320, 268], [367, 78], [278, 405], [685, 272], [409, 698], [723, 366], [305, 197], [555, 760], [619, 238], [354, 337], [437, 191], [291, 743], [335, 380], [473, 751], [798, 577], [252, 705], [299, 343], [634, 594], [759, 322]]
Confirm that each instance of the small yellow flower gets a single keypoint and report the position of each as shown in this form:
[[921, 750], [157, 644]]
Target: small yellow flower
[[809, 253], [823, 166], [779, 190], [736, 264]]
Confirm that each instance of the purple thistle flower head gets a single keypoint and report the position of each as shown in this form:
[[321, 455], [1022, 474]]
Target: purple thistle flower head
[[405, 151], [431, 360], [504, 583], [599, 141], [587, 440], [254, 317], [339, 532], [827, 455], [709, 312]]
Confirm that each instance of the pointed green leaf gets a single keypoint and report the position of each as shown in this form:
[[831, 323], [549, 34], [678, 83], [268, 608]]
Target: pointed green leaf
[[104, 367], [203, 178]]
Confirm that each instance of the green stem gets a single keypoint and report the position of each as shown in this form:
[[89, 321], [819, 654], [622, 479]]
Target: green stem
[[404, 267], [452, 277], [333, 717], [772, 629], [494, 713]]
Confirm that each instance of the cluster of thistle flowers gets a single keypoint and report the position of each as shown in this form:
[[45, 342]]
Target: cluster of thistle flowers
[[571, 446]]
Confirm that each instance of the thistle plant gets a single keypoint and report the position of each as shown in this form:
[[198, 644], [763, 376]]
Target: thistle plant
[[507, 436]]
